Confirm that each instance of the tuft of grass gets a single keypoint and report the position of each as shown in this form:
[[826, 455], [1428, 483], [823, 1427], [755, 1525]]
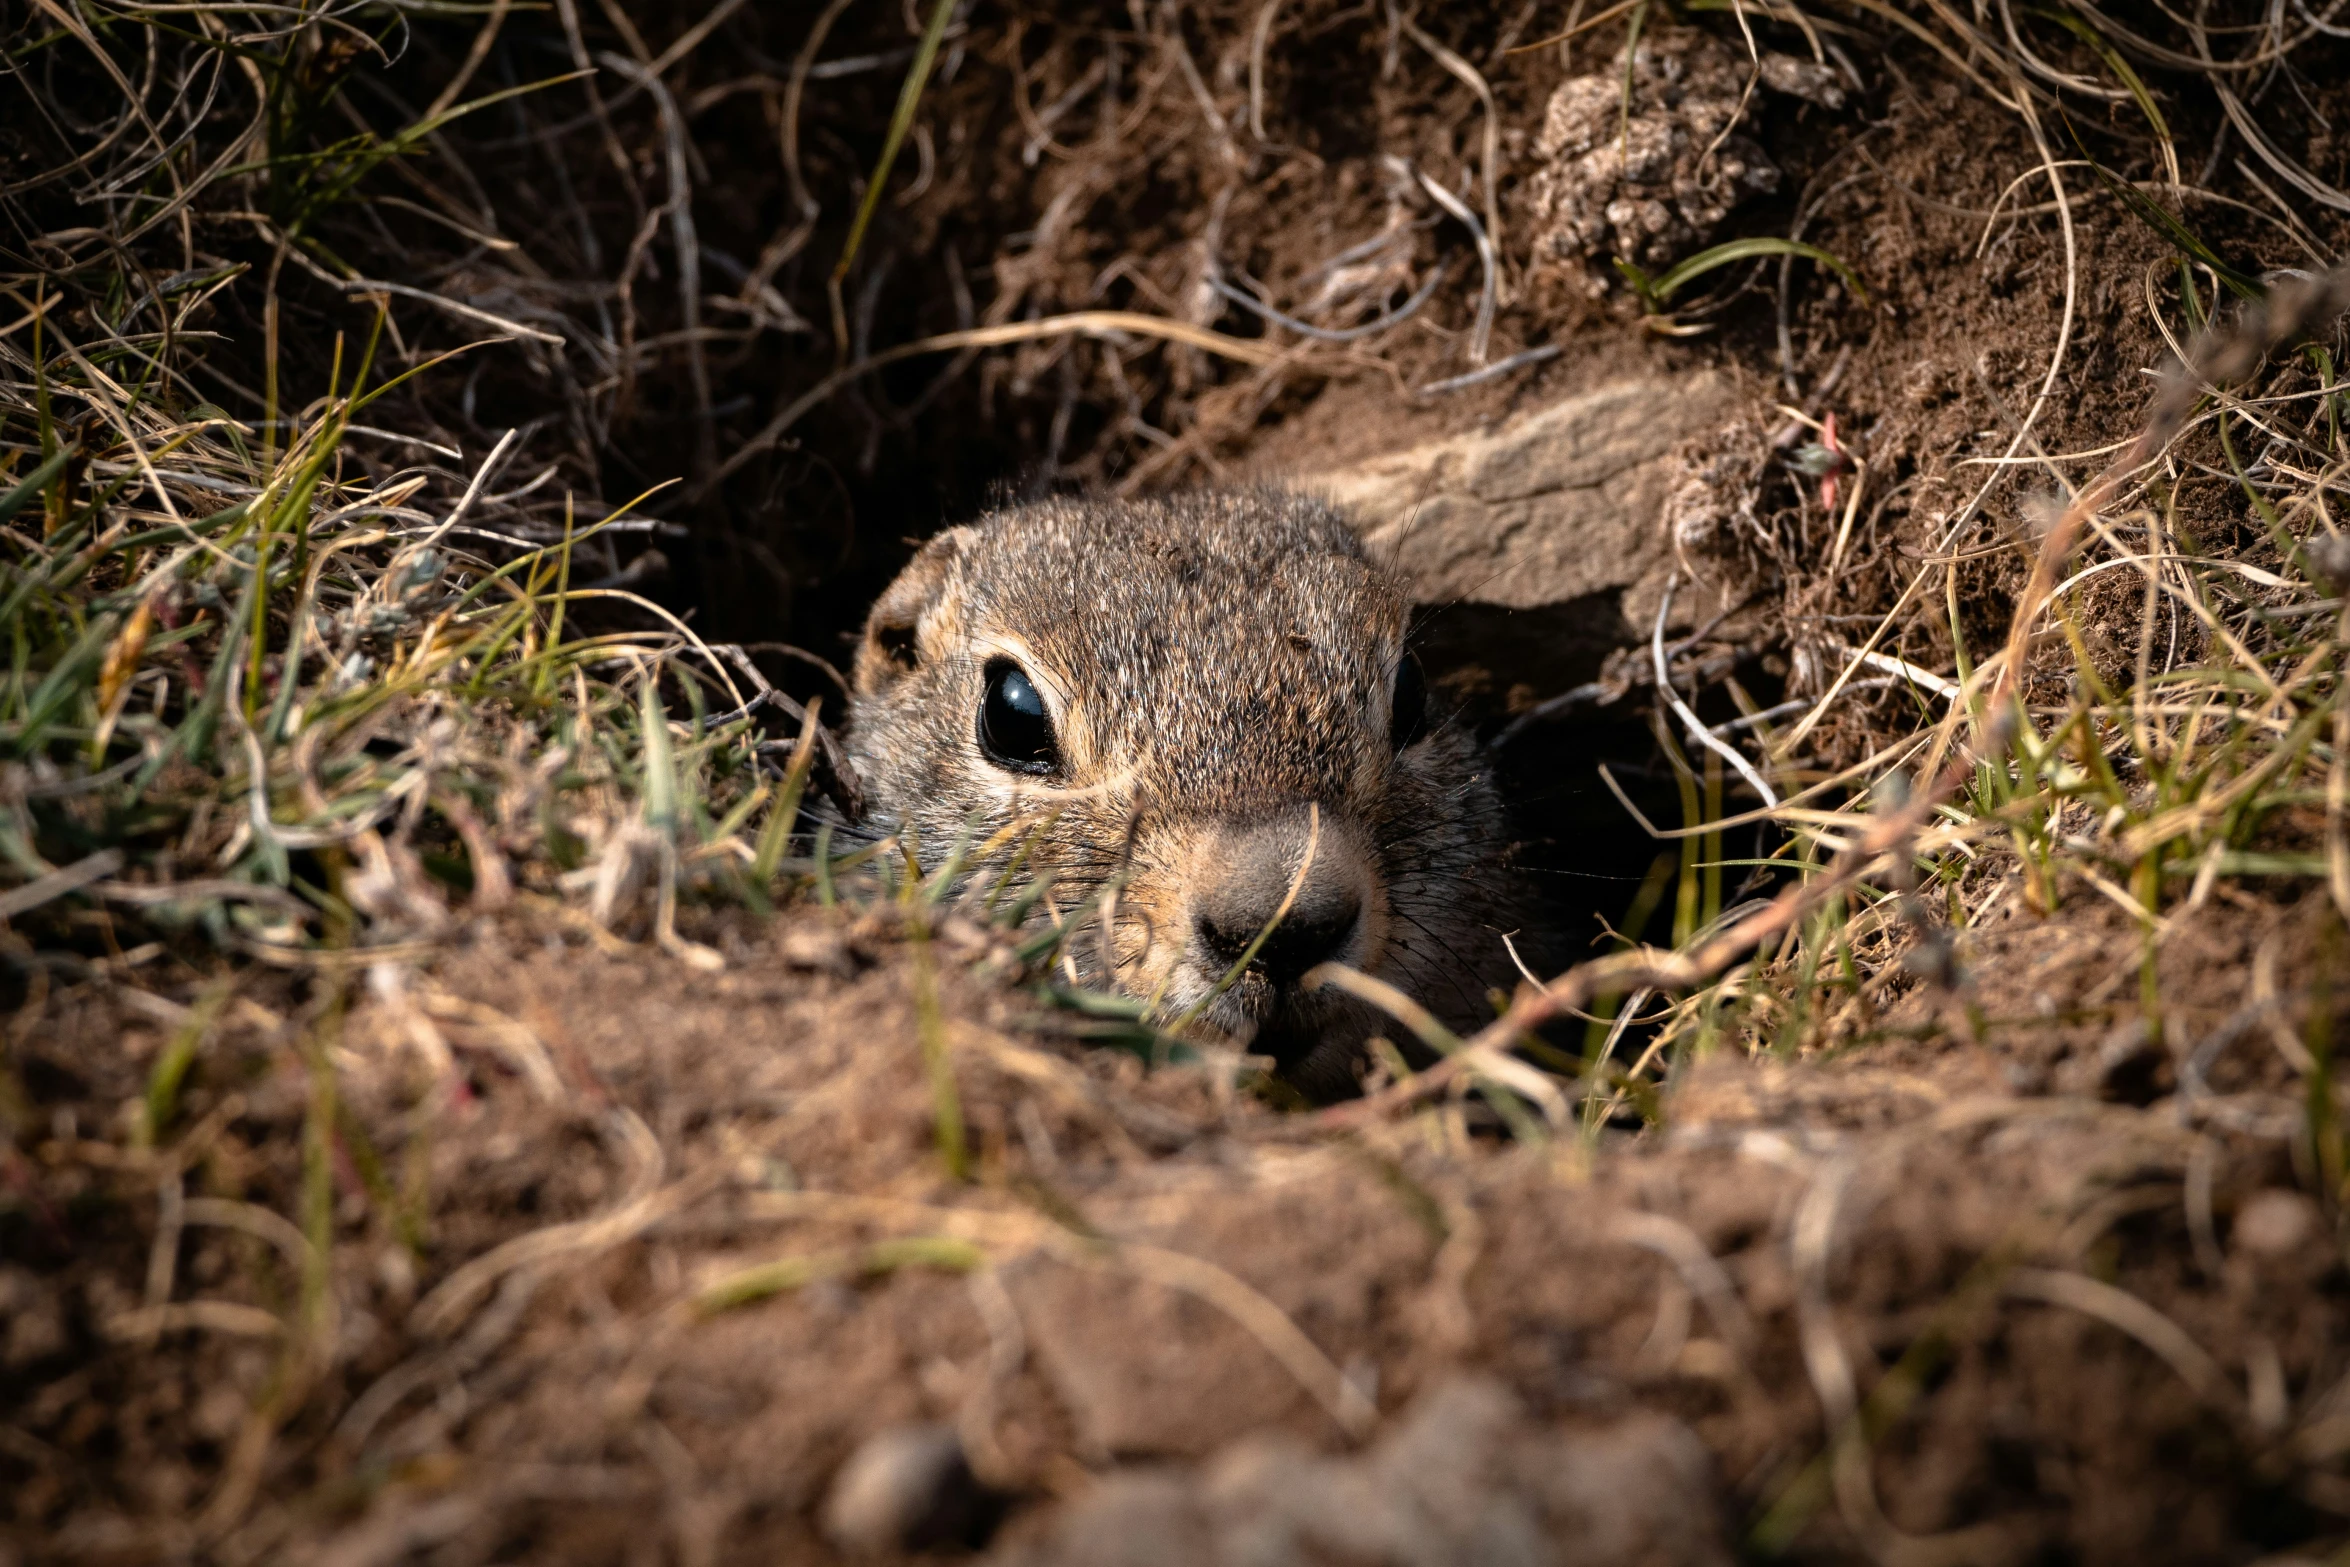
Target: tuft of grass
[[313, 718], [267, 690], [2147, 789]]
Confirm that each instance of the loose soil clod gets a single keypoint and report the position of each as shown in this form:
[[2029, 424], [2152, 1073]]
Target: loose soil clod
[[1644, 159]]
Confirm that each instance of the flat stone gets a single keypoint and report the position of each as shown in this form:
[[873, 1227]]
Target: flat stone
[[1554, 507]]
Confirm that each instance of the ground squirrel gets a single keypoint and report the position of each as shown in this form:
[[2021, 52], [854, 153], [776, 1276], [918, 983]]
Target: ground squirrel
[[1189, 692]]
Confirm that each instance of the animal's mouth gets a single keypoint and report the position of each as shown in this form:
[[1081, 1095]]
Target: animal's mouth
[[1258, 997], [1283, 1020], [1227, 937]]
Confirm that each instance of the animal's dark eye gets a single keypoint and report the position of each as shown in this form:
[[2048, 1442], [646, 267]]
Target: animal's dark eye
[[1408, 709], [1015, 731]]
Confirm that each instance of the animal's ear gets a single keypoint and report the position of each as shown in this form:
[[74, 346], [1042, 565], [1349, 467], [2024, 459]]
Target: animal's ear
[[892, 648]]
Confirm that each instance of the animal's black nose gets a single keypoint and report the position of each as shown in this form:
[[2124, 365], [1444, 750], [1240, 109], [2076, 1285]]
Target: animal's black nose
[[1244, 894]]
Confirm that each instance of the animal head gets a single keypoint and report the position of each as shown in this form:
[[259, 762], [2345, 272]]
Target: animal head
[[1206, 699]]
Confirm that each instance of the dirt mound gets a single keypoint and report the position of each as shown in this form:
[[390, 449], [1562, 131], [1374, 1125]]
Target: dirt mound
[[667, 1248]]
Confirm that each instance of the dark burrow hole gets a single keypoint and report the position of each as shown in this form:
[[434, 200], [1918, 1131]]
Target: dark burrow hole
[[1595, 876], [1598, 877]]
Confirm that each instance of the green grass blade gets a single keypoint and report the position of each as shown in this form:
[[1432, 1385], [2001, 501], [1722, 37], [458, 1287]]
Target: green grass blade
[[73, 675], [938, 1061], [2152, 213], [173, 1061], [660, 759], [2122, 70], [765, 1279], [1624, 92], [1684, 272], [775, 835], [35, 482], [909, 99]]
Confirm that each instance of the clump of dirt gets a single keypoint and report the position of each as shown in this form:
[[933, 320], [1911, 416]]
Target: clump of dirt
[[1644, 159], [1718, 489]]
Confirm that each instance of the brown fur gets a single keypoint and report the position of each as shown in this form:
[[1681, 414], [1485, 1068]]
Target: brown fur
[[1212, 662]]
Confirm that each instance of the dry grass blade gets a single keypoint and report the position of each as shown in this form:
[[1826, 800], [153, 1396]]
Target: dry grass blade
[[2127, 1312]]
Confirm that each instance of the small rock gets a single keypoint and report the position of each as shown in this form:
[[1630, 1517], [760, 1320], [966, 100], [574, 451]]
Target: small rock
[[1806, 79], [2275, 1223], [907, 1488], [817, 947], [2329, 557], [1551, 508]]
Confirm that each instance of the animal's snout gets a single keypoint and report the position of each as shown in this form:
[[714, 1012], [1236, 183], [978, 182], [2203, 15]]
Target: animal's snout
[[1249, 875]]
